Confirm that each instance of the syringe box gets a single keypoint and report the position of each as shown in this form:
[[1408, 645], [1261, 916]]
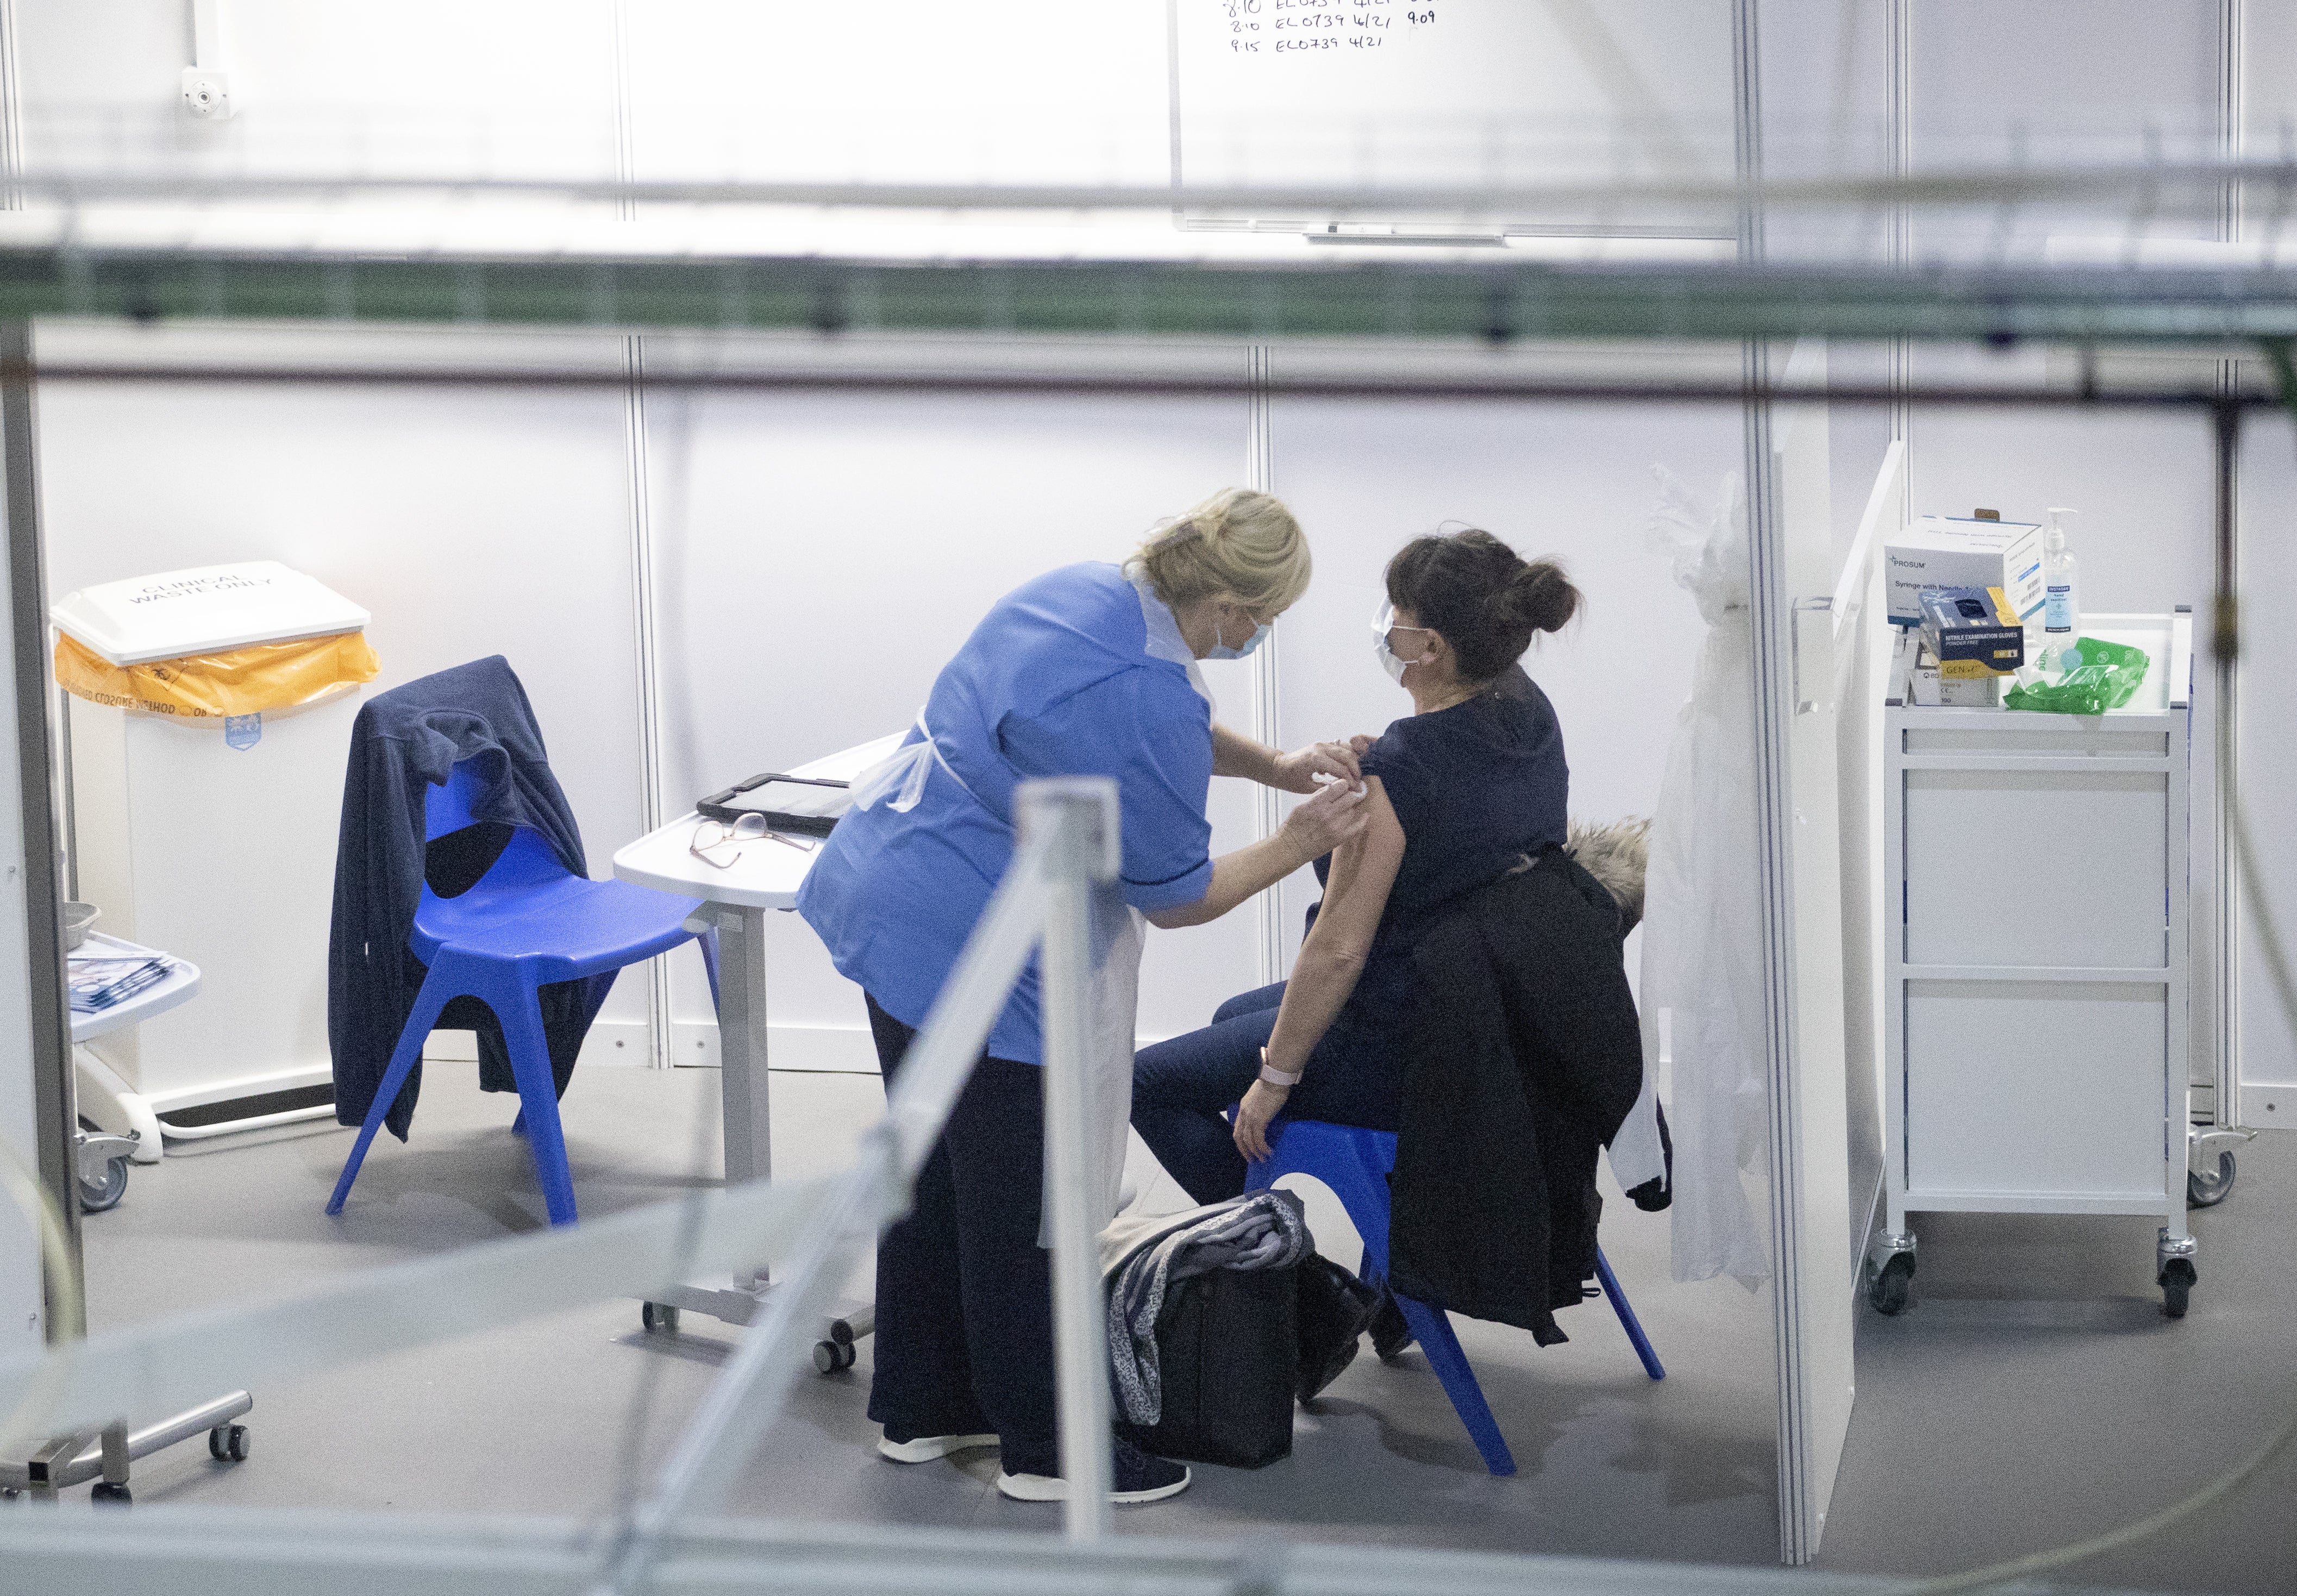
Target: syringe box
[[1950, 551]]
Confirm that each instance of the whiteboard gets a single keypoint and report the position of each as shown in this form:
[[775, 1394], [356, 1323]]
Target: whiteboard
[[1461, 93]]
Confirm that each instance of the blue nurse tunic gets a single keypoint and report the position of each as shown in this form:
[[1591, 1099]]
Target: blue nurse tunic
[[1078, 673]]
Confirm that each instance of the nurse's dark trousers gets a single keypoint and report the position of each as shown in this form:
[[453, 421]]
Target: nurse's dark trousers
[[964, 1295]]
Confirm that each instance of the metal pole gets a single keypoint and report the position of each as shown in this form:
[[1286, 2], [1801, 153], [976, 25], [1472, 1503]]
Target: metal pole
[[777, 1348], [2225, 659], [49, 1026], [2225, 1053], [1260, 473], [1081, 812], [646, 647]]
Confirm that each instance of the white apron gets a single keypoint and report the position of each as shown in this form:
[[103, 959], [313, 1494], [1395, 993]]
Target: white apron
[[1119, 931]]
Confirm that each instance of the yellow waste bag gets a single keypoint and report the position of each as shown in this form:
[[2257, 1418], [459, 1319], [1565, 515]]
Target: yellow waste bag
[[235, 681]]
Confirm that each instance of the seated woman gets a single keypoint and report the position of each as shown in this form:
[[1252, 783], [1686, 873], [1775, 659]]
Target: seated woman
[[1459, 791]]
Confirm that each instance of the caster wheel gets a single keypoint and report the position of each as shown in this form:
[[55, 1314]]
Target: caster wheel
[[2178, 1280], [228, 1443], [658, 1317], [2207, 1191], [1888, 1290], [106, 1491], [833, 1357], [97, 1196]]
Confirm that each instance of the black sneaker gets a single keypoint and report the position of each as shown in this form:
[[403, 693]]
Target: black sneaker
[[1137, 1478], [1390, 1335]]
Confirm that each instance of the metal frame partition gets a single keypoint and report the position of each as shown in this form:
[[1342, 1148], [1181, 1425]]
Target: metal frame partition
[[815, 1231]]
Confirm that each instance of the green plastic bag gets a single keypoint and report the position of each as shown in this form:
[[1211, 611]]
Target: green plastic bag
[[2108, 676]]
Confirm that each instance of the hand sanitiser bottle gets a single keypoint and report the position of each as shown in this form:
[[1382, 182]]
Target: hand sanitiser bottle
[[2061, 597]]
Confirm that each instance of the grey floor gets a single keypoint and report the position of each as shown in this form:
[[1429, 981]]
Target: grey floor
[[2034, 1395], [539, 1417]]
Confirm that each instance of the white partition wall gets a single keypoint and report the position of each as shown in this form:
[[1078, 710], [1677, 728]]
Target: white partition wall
[[1023, 91], [1796, 579], [2265, 1061], [469, 521], [820, 556], [436, 86], [1570, 480], [2268, 1074]]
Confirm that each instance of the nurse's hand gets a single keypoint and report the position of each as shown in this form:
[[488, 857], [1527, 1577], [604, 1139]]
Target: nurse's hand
[[1333, 816], [1296, 771], [1262, 1102]]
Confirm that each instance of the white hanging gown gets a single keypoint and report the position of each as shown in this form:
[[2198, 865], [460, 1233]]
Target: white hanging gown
[[1702, 979]]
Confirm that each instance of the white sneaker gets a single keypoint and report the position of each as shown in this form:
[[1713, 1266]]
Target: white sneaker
[[1139, 1478], [925, 1449]]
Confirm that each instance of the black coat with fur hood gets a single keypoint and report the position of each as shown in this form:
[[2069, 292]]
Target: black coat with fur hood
[[1525, 1056]]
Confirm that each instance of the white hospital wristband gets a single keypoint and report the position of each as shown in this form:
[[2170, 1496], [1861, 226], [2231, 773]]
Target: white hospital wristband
[[1274, 1076]]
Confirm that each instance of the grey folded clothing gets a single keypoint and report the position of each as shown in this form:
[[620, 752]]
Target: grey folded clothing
[[1142, 1258]]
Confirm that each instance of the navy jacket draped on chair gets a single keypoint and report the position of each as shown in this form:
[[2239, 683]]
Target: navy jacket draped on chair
[[403, 742]]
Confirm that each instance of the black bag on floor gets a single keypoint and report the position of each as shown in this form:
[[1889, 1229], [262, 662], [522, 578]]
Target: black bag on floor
[[1227, 1354], [1335, 1309]]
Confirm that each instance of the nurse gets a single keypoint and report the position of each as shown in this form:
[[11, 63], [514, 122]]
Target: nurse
[[1087, 670]]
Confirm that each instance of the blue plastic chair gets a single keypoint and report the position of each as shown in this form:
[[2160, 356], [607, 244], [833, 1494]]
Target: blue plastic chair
[[527, 922], [1355, 1164]]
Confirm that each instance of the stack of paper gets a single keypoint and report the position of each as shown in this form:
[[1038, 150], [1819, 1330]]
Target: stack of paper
[[97, 984]]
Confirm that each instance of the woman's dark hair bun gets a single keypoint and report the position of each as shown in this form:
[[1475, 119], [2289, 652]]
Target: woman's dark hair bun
[[1485, 598], [1540, 593]]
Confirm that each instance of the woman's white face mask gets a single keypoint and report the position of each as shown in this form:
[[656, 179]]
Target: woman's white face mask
[[1383, 624]]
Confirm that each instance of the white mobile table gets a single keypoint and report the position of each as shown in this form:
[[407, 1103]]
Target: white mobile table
[[764, 875]]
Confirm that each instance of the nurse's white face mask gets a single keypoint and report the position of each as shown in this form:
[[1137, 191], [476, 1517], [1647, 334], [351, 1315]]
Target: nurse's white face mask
[[1383, 624], [1222, 651]]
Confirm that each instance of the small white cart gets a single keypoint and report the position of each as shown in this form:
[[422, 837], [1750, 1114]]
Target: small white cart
[[127, 1131], [2037, 977], [104, 1455]]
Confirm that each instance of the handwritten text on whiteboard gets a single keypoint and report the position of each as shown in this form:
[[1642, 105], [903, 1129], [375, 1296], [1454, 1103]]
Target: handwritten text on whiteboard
[[1294, 30]]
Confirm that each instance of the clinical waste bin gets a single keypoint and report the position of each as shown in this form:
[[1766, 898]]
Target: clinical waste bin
[[207, 717]]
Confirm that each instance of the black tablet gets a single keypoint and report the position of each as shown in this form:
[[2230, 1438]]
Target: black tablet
[[798, 804]]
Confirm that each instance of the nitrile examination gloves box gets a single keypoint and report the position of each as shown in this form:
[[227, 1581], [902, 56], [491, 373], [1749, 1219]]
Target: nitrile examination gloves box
[[1972, 632], [1950, 551]]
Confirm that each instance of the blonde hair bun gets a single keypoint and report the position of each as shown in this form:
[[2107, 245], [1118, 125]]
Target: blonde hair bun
[[1240, 543]]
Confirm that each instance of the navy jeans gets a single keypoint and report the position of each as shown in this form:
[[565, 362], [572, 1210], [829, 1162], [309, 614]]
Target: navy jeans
[[964, 1295], [1182, 1089]]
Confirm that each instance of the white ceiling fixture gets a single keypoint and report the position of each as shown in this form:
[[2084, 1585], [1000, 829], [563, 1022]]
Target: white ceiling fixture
[[206, 86]]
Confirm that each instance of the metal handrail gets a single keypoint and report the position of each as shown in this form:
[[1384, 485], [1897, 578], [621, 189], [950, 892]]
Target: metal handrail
[[1068, 851]]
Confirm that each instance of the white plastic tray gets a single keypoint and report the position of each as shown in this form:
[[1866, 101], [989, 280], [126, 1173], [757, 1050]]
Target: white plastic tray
[[179, 985]]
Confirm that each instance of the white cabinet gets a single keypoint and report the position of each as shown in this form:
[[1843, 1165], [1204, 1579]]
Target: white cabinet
[[225, 858], [2037, 973]]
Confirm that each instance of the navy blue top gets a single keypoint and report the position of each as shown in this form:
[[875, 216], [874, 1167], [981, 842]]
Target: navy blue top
[[1476, 787]]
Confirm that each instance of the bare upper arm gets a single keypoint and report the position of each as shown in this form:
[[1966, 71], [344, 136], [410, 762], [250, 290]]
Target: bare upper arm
[[1363, 873]]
